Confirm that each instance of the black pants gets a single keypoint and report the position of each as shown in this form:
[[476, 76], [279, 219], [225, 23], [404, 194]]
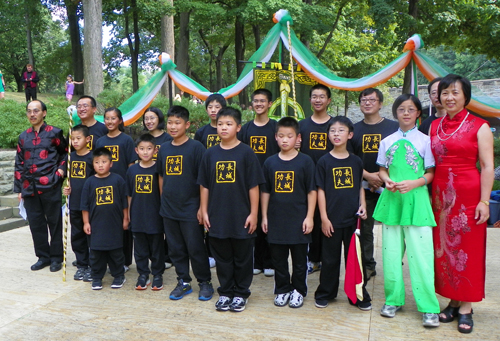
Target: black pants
[[149, 247], [99, 261], [316, 234], [44, 216], [330, 268], [79, 239], [128, 246], [367, 230], [30, 94], [262, 253], [234, 264], [282, 282], [186, 243]]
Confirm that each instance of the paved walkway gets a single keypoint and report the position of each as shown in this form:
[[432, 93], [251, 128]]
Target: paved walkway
[[40, 306]]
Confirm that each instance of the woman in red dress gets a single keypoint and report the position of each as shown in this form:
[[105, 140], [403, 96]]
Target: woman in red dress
[[460, 198]]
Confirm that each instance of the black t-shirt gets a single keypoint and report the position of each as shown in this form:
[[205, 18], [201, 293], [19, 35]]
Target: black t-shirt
[[159, 140], [179, 166], [289, 183], [366, 141], [208, 136], [80, 169], [229, 175], [143, 188], [262, 139], [426, 124], [341, 181], [122, 150], [315, 142], [96, 131], [105, 199]]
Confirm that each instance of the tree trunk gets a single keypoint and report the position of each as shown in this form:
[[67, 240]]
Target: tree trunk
[[183, 51], [76, 44], [133, 46], [168, 44], [256, 34], [92, 48], [413, 11], [29, 42], [239, 48]]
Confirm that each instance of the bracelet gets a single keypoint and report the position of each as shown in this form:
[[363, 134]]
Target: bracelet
[[487, 203], [423, 177]]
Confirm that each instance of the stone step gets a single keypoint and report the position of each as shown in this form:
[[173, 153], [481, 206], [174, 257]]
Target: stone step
[[9, 200], [5, 212], [12, 223]]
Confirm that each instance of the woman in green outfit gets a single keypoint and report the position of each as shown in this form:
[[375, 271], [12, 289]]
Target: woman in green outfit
[[407, 166]]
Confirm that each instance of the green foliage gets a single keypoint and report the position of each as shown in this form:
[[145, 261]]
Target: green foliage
[[13, 119], [112, 97]]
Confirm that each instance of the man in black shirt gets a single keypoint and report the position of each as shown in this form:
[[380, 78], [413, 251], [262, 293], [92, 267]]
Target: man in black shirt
[[86, 107], [432, 88]]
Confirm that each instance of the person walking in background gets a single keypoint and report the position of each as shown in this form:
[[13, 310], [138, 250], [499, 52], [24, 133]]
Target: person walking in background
[[30, 80]]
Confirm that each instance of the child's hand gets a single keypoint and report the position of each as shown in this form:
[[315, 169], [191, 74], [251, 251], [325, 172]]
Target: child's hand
[[390, 185], [199, 216], [86, 228], [362, 212], [327, 228], [374, 181], [251, 223], [206, 222], [264, 225], [67, 190], [307, 225], [405, 186], [125, 223]]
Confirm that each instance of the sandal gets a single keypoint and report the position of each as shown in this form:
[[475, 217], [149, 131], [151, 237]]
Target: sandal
[[467, 320], [450, 313]]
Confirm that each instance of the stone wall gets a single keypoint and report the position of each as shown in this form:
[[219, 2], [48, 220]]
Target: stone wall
[[7, 158]]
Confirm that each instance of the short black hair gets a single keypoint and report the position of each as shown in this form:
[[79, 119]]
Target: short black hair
[[451, 79], [231, 112], [321, 87], [44, 107], [264, 92], [402, 98], [215, 98], [157, 112], [81, 128], [178, 111], [145, 138], [342, 120], [118, 113], [432, 82], [288, 122], [369, 91], [102, 151], [93, 102]]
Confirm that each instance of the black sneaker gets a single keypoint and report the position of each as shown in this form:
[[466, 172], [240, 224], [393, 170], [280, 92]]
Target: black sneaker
[[157, 283], [87, 277], [55, 266], [180, 290], [79, 274], [97, 284], [223, 303], [118, 282], [74, 263], [206, 291], [142, 282], [321, 303], [238, 304], [39, 265]]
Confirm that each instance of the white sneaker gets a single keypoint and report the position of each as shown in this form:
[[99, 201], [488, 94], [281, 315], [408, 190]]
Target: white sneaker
[[296, 299], [168, 265], [211, 261], [257, 271], [281, 300], [269, 272], [430, 320]]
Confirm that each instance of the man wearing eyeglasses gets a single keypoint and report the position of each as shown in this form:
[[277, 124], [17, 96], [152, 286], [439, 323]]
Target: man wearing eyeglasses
[[39, 171], [440, 111], [366, 140], [86, 108]]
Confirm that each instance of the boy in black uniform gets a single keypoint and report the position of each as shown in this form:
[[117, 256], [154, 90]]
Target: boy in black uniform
[[315, 143], [365, 143], [259, 134], [105, 216], [80, 169], [178, 164], [288, 201], [230, 175], [145, 221], [341, 199], [207, 134]]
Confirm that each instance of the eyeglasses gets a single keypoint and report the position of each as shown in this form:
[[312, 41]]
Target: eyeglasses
[[410, 111], [35, 111], [369, 100], [340, 131], [82, 106]]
